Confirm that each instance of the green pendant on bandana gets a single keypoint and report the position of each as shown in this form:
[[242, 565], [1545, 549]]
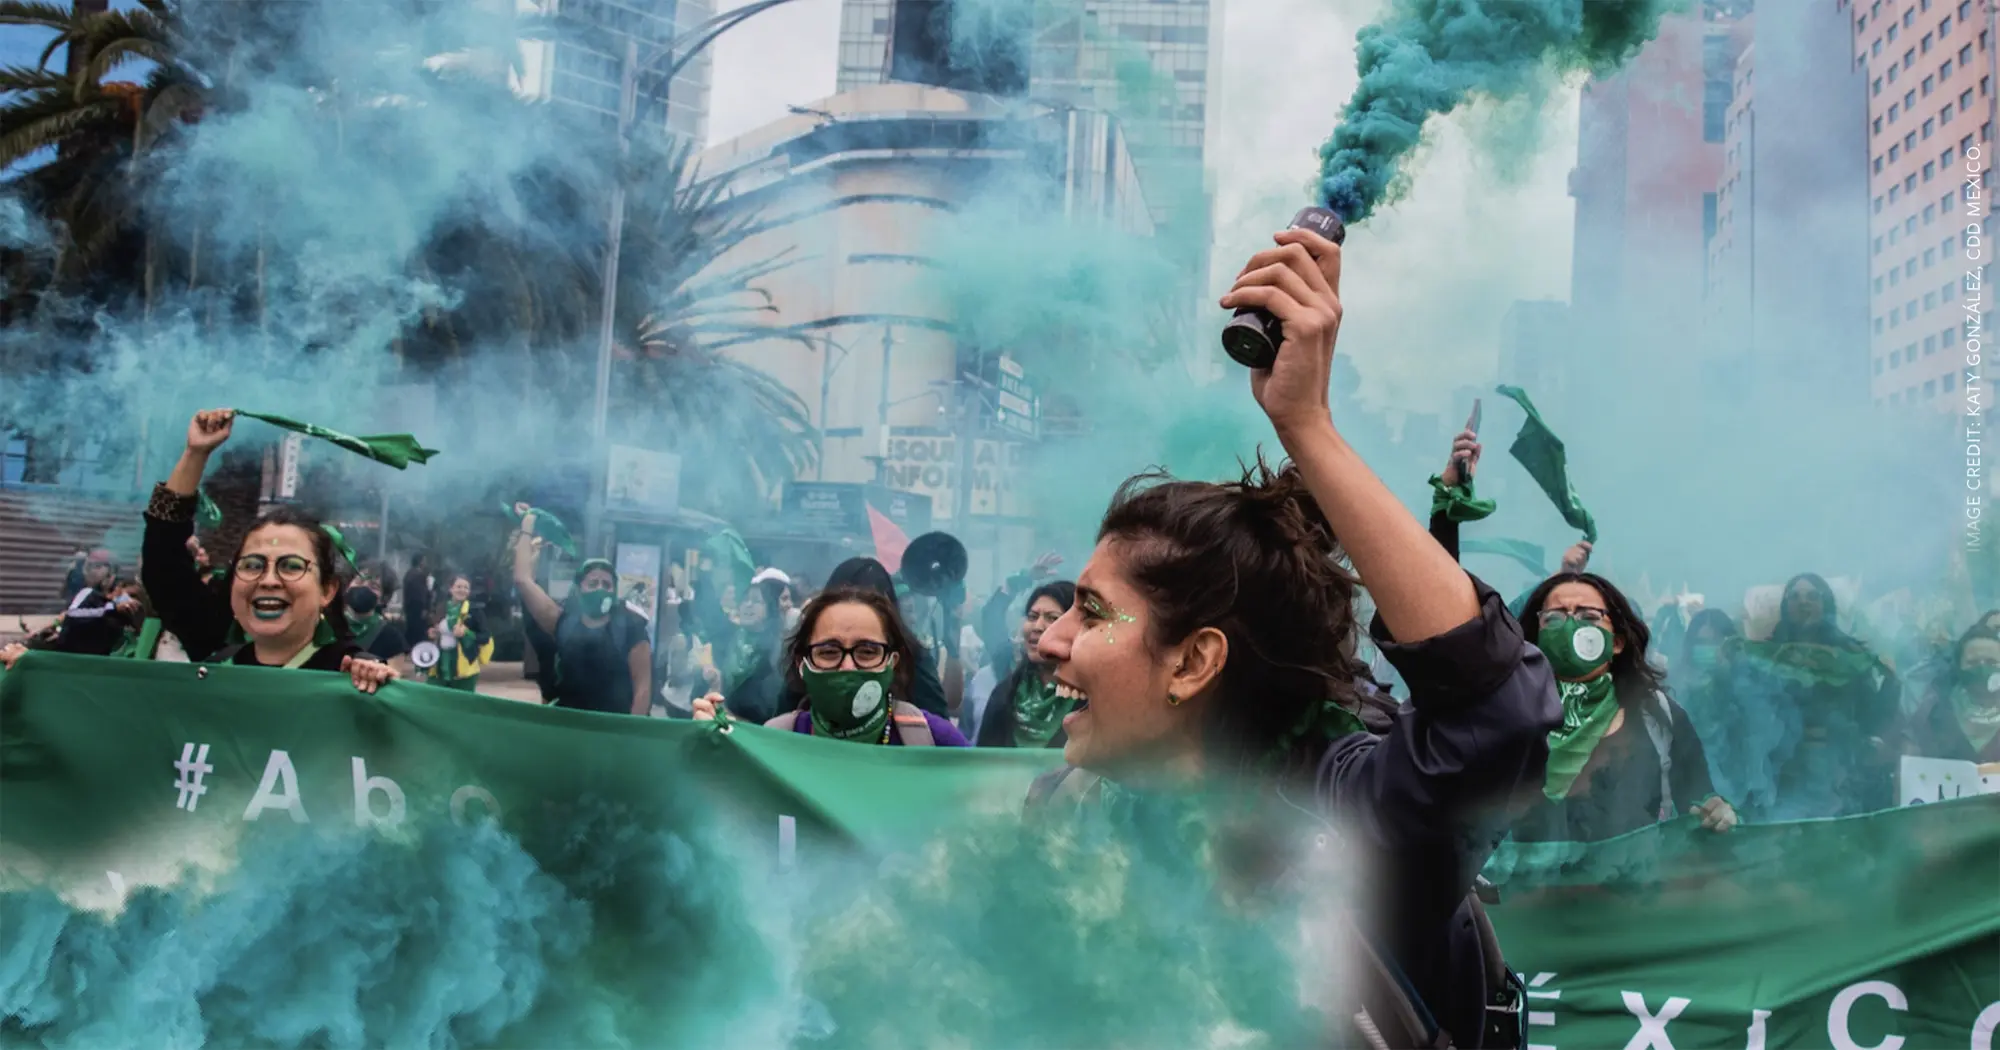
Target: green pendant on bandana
[[1588, 708], [1575, 649], [595, 605], [1038, 711], [848, 705]]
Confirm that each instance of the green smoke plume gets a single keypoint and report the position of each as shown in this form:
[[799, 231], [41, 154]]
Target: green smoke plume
[[1427, 57]]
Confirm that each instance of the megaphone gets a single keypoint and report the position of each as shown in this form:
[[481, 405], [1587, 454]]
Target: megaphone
[[934, 563]]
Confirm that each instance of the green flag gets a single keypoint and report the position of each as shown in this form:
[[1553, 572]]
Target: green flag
[[1541, 452], [732, 558], [397, 450], [1529, 556], [548, 527]]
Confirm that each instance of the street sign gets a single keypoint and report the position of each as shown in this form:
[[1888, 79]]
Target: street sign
[[1020, 411]]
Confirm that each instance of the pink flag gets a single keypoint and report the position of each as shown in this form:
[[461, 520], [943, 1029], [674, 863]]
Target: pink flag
[[889, 540]]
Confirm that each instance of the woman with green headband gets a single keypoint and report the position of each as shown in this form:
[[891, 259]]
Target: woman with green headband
[[1626, 755], [603, 659]]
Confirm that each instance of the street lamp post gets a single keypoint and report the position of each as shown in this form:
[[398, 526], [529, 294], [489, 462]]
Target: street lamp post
[[682, 50]]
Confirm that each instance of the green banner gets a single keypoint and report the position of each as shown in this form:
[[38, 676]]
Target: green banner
[[1878, 931]]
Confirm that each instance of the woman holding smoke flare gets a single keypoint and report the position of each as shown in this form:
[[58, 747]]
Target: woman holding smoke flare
[[1208, 645]]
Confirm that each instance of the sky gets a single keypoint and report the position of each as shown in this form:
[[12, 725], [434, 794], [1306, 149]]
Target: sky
[[1423, 309]]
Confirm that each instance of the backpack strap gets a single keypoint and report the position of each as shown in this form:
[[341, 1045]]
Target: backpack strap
[[1392, 1017], [1505, 993], [911, 725], [1659, 719]]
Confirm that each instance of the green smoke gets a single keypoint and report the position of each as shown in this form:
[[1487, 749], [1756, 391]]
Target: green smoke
[[1427, 57]]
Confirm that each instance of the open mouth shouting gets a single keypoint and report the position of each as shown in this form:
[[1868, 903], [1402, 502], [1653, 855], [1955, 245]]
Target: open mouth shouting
[[269, 608]]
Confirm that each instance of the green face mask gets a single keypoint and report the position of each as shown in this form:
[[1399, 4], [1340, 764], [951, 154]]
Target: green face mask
[[849, 705], [595, 604], [1575, 649]]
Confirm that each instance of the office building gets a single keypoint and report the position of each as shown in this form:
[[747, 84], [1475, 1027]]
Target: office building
[[1787, 243], [581, 69], [1147, 61], [1930, 75]]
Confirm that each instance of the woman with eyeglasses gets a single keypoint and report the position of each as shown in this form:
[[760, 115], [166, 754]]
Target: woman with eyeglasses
[[285, 594], [854, 661], [1626, 756]]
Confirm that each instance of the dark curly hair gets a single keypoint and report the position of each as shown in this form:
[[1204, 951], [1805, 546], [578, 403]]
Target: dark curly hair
[[893, 632], [1255, 559], [1631, 675], [328, 564]]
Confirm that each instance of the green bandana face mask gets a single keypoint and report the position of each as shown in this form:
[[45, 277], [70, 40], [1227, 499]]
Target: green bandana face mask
[[1575, 649], [1038, 711], [848, 705], [595, 605]]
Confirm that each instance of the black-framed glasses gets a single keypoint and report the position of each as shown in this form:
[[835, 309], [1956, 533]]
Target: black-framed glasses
[[1589, 614], [827, 656], [291, 567]]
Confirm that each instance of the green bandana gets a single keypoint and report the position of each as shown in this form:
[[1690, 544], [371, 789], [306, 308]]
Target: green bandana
[[848, 705], [396, 450], [1456, 502], [364, 627], [143, 643], [1038, 711], [548, 527], [1588, 708], [206, 513]]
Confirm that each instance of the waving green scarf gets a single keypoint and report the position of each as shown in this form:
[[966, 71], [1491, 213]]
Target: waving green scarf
[[396, 450], [1588, 708], [1038, 711], [1457, 502]]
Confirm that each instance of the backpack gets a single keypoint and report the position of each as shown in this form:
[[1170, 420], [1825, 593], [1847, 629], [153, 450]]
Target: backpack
[[1392, 1015], [911, 724]]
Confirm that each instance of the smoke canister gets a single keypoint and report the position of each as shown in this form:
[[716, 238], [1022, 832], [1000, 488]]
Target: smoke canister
[[1253, 336]]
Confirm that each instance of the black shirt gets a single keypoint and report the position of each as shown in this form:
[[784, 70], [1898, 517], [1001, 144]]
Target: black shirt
[[593, 672], [328, 658], [1620, 789]]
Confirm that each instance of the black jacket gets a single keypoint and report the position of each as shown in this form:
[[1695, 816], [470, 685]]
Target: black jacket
[[1431, 794], [192, 609]]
